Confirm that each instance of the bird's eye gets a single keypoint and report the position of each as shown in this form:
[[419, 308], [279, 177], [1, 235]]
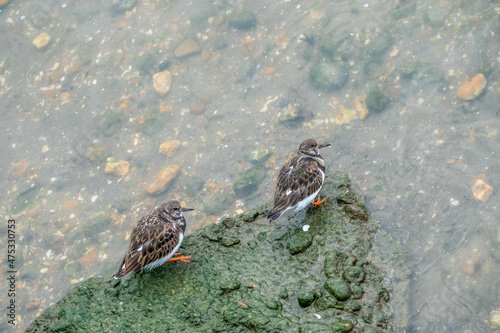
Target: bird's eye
[[312, 145], [176, 208]]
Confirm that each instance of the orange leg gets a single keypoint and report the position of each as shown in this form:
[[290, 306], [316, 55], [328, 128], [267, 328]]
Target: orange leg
[[181, 258], [319, 202]]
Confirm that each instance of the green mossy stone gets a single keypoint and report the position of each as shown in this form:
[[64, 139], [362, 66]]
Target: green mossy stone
[[330, 42], [340, 179], [422, 74], [300, 242], [274, 305], [243, 20], [249, 181], [376, 101], [112, 123], [151, 126], [325, 302], [236, 288], [328, 76], [341, 326], [122, 6], [354, 274], [291, 115], [228, 241], [230, 285], [259, 155], [306, 299], [338, 288], [379, 44], [40, 18], [97, 154], [357, 292]]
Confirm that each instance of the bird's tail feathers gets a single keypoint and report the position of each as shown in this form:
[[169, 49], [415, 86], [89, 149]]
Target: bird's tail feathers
[[273, 214]]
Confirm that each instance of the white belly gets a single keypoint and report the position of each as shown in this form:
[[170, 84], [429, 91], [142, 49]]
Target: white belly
[[163, 260], [305, 202]]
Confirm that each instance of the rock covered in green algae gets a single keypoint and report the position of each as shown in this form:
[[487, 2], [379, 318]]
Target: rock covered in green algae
[[306, 299], [251, 286], [376, 101], [249, 181], [300, 242], [339, 288], [243, 20], [328, 76]]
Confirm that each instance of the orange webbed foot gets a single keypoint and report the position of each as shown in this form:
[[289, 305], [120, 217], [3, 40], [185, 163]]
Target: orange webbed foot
[[319, 202], [181, 258]]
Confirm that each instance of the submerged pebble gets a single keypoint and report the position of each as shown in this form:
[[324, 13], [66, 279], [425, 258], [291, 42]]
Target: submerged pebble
[[328, 76], [186, 48], [160, 182], [243, 20], [480, 187], [41, 41], [472, 88], [119, 168], [162, 82], [168, 148]]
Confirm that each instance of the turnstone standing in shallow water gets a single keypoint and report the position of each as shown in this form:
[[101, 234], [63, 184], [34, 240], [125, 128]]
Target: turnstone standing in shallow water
[[155, 239], [300, 180]]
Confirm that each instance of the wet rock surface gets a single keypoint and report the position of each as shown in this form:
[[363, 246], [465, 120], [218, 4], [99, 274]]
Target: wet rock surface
[[242, 278]]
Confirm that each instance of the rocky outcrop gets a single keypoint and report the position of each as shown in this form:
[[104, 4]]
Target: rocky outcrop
[[311, 272]]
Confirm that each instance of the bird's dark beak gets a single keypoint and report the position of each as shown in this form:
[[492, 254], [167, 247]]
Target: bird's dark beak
[[324, 144], [185, 209]]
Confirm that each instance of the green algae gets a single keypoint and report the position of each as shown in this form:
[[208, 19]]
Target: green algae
[[254, 285], [339, 288], [300, 242], [243, 20], [306, 299], [249, 181], [328, 76], [376, 101]]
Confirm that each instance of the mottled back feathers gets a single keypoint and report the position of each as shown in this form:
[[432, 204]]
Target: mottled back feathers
[[299, 178], [154, 237]]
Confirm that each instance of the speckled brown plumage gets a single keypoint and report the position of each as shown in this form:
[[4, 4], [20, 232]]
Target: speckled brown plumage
[[155, 238], [299, 180]]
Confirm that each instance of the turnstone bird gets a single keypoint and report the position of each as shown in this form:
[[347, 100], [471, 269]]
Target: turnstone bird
[[155, 239], [300, 180]]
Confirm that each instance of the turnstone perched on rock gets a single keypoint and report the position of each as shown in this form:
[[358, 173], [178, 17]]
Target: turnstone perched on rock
[[300, 180], [155, 239]]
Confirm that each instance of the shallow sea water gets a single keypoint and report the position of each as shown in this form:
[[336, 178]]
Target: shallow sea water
[[88, 96]]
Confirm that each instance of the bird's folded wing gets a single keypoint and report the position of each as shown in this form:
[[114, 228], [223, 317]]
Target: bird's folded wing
[[148, 245], [297, 183]]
